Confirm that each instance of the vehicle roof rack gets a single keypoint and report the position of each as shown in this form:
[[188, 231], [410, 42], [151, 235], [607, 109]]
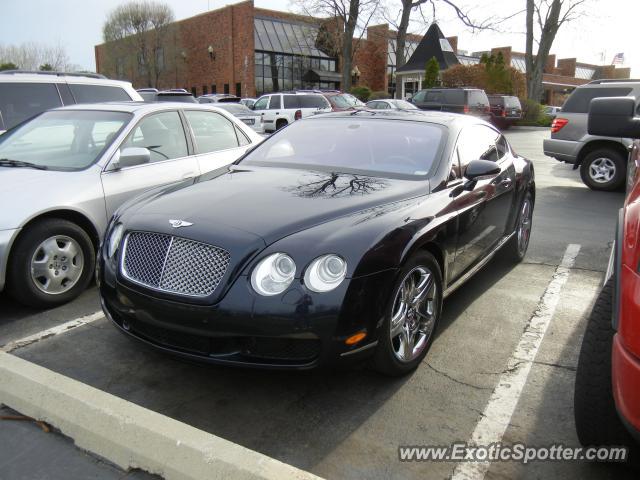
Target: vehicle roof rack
[[57, 74], [613, 80]]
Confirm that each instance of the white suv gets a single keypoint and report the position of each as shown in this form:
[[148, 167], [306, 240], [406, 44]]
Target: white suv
[[280, 109], [26, 94]]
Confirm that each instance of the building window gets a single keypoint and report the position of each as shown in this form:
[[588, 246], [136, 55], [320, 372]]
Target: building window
[[226, 88], [204, 89], [238, 90], [194, 91], [213, 88]]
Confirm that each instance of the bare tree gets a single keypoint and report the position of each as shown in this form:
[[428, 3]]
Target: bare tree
[[141, 30], [353, 16], [550, 15], [31, 55]]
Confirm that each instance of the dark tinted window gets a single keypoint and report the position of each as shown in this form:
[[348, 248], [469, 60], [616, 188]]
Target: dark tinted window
[[579, 100], [175, 98], [313, 101], [98, 93], [496, 100], [478, 97], [19, 101], [291, 101], [65, 93], [478, 142], [275, 102], [377, 147], [453, 97], [435, 97], [512, 102]]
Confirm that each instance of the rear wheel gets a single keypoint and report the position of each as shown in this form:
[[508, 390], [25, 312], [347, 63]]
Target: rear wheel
[[517, 247], [51, 263], [603, 169], [412, 315], [596, 418], [281, 123]]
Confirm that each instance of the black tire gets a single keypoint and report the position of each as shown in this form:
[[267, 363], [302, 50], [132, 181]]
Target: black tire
[[384, 359], [596, 418], [608, 155], [513, 251], [20, 284], [280, 124]]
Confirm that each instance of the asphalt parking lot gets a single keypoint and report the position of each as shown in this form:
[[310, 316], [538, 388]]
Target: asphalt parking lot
[[348, 424]]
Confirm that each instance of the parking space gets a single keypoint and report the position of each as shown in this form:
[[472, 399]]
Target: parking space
[[349, 423]]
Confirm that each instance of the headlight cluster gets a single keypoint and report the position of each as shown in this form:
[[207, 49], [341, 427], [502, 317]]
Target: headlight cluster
[[114, 239], [274, 274]]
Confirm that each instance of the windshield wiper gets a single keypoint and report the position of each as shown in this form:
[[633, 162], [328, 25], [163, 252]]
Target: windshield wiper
[[6, 162]]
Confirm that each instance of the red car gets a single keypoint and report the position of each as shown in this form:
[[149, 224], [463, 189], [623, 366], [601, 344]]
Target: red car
[[341, 102], [607, 391]]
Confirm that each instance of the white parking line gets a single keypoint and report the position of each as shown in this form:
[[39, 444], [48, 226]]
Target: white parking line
[[497, 414], [51, 332]]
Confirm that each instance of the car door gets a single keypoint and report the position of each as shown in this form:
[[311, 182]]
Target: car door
[[484, 209], [260, 107], [217, 141], [170, 160], [273, 112]]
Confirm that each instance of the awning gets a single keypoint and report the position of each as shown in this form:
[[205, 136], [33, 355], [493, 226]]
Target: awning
[[314, 75]]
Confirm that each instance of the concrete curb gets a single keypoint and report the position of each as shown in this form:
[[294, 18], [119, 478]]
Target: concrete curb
[[128, 435]]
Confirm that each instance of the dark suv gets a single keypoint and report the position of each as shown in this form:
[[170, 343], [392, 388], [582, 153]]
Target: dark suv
[[505, 110], [472, 101]]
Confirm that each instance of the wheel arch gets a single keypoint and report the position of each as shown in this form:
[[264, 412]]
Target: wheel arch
[[597, 144]]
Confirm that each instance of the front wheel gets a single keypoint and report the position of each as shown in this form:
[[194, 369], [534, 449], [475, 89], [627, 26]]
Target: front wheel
[[603, 169], [52, 263], [411, 318]]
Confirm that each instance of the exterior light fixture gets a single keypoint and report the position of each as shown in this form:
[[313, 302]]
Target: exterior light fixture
[[212, 54]]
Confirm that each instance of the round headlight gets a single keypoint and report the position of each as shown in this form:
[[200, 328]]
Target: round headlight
[[273, 274], [114, 239], [325, 273]]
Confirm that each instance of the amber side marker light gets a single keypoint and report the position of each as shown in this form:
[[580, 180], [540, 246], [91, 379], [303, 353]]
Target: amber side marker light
[[353, 339]]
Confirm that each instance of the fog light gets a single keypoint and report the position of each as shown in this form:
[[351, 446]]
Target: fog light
[[353, 339]]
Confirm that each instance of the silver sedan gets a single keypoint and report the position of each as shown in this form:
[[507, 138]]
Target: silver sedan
[[391, 104], [65, 172]]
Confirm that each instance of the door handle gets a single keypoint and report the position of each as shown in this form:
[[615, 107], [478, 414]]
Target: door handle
[[188, 175], [506, 183]]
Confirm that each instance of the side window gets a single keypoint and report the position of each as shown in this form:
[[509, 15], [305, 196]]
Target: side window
[[419, 97], [65, 94], [291, 101], [275, 102], [313, 101], [20, 101], [433, 97], [242, 138], [212, 131], [477, 142], [578, 101], [98, 93], [455, 172], [502, 147], [162, 134], [261, 103]]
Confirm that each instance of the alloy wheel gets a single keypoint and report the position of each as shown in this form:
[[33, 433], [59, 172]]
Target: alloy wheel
[[57, 264], [413, 316], [602, 170], [524, 226]]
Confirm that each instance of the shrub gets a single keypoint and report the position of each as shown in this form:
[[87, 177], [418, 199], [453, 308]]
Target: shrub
[[531, 110], [361, 92], [379, 95]]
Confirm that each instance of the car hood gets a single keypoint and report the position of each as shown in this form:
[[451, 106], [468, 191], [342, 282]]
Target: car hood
[[272, 203]]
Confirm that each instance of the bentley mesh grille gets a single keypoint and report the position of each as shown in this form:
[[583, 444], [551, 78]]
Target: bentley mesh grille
[[173, 264]]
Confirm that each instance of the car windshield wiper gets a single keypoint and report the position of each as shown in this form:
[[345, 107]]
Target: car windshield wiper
[[6, 162]]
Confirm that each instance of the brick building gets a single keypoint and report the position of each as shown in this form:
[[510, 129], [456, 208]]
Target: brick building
[[247, 51]]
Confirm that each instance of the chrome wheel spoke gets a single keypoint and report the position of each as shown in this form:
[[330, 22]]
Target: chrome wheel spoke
[[57, 264], [424, 287]]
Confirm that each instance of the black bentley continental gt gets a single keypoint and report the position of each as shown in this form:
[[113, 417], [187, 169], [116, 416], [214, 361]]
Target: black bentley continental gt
[[336, 238]]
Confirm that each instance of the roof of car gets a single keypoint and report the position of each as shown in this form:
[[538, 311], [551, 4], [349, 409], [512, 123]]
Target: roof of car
[[427, 116], [13, 76], [132, 107]]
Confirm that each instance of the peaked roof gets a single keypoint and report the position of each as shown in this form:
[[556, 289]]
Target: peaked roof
[[433, 44]]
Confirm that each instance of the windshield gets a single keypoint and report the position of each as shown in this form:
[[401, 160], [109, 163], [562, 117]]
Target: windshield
[[373, 146], [63, 140], [404, 105], [344, 100]]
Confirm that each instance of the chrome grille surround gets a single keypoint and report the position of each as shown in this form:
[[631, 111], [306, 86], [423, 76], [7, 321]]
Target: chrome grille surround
[[173, 264]]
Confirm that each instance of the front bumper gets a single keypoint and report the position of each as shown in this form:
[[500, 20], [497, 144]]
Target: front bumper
[[562, 150], [297, 330], [6, 240]]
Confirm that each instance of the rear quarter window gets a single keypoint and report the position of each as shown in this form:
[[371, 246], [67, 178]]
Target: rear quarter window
[[291, 101], [98, 93], [478, 97], [313, 101], [579, 100], [20, 101]]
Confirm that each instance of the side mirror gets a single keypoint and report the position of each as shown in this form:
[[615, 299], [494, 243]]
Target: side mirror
[[481, 168], [131, 156], [613, 117]]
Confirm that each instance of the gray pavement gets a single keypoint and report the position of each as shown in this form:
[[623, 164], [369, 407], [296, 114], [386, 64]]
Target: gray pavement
[[349, 423]]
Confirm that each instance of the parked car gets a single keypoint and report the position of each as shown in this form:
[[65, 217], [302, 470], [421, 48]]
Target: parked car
[[472, 101], [24, 94], [607, 391], [248, 102], [333, 243], [602, 160], [391, 104], [551, 111], [218, 98], [67, 170], [341, 102], [279, 110], [244, 114], [174, 95], [505, 110]]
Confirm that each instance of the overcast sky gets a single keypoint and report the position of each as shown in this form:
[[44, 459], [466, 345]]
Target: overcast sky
[[608, 26]]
